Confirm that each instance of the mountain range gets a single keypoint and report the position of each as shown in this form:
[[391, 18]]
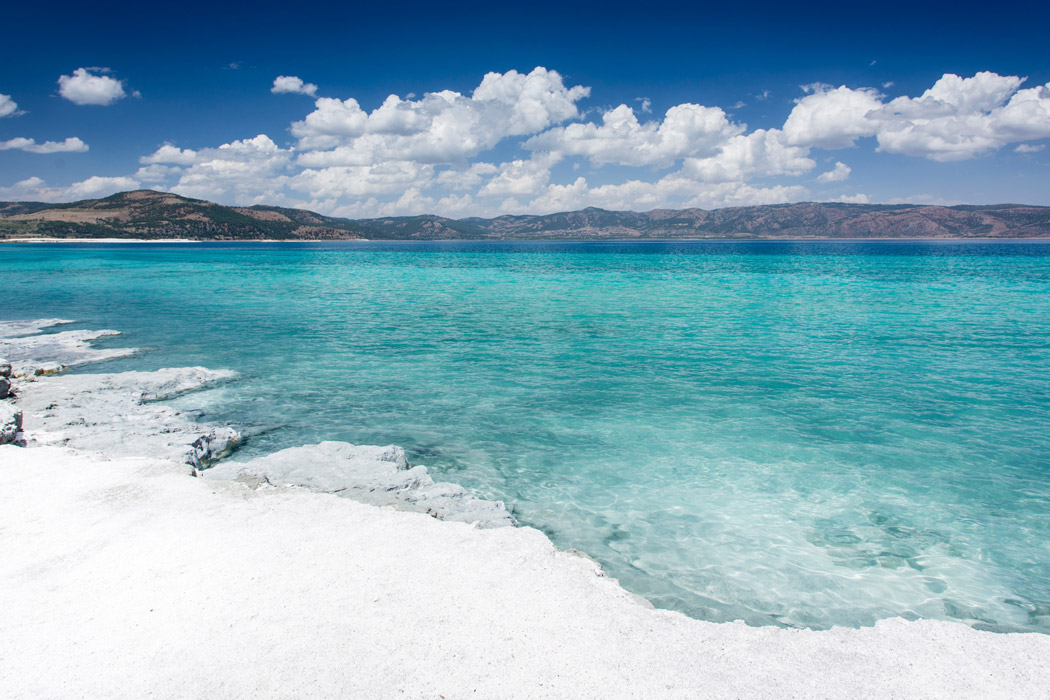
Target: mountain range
[[148, 214]]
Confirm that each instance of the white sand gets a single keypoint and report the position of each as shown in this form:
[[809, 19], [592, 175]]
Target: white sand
[[127, 578]]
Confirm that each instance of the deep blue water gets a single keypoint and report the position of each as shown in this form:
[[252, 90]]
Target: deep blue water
[[801, 433]]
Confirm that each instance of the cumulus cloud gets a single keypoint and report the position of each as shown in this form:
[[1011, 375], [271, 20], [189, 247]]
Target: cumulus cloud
[[8, 107], [686, 130], [956, 119], [248, 171], [430, 154], [839, 173], [387, 178], [520, 177], [466, 178], [859, 198], [762, 153], [960, 118], [639, 195], [70, 145], [169, 153], [440, 127], [831, 117], [292, 84], [90, 86], [35, 189], [157, 173]]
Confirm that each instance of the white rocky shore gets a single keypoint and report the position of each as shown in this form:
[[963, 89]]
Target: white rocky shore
[[117, 415], [120, 576]]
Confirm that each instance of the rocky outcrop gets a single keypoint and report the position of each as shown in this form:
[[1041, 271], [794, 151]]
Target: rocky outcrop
[[10, 424], [380, 476], [5, 378], [10, 417]]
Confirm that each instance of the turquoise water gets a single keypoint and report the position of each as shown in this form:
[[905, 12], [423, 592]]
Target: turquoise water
[[804, 434]]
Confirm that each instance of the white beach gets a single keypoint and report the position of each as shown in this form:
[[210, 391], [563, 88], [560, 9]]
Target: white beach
[[123, 576]]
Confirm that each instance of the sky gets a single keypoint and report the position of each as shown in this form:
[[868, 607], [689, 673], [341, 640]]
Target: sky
[[482, 109]]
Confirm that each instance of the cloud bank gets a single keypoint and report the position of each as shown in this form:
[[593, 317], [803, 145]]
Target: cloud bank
[[522, 142]]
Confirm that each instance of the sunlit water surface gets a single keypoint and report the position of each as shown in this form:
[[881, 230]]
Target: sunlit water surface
[[805, 434]]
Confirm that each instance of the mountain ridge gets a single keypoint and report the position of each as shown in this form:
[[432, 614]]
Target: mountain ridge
[[149, 214]]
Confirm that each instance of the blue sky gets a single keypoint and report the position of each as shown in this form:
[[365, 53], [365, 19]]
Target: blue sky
[[526, 108]]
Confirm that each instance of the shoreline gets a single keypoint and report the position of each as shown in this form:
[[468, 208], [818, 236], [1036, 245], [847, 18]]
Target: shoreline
[[968, 239], [119, 567]]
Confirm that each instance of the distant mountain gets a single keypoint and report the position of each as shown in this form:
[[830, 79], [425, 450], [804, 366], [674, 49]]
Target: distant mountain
[[153, 215]]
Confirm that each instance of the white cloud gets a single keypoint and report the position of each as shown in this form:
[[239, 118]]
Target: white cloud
[[248, 171], [440, 127], [762, 153], [466, 178], [157, 173], [292, 84], [35, 189], [387, 178], [86, 87], [520, 177], [169, 153], [839, 173], [70, 145], [686, 130], [430, 154], [960, 118], [956, 119], [858, 198], [831, 117], [8, 107], [669, 191], [96, 186]]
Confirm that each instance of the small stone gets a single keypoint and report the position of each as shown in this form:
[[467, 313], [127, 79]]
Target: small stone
[[5, 368], [5, 387]]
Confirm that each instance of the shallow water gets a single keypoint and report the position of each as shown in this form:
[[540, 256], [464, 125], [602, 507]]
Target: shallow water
[[796, 433]]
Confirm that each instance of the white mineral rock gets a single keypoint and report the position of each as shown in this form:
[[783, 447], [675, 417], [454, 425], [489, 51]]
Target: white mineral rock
[[376, 475], [35, 355], [118, 415]]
